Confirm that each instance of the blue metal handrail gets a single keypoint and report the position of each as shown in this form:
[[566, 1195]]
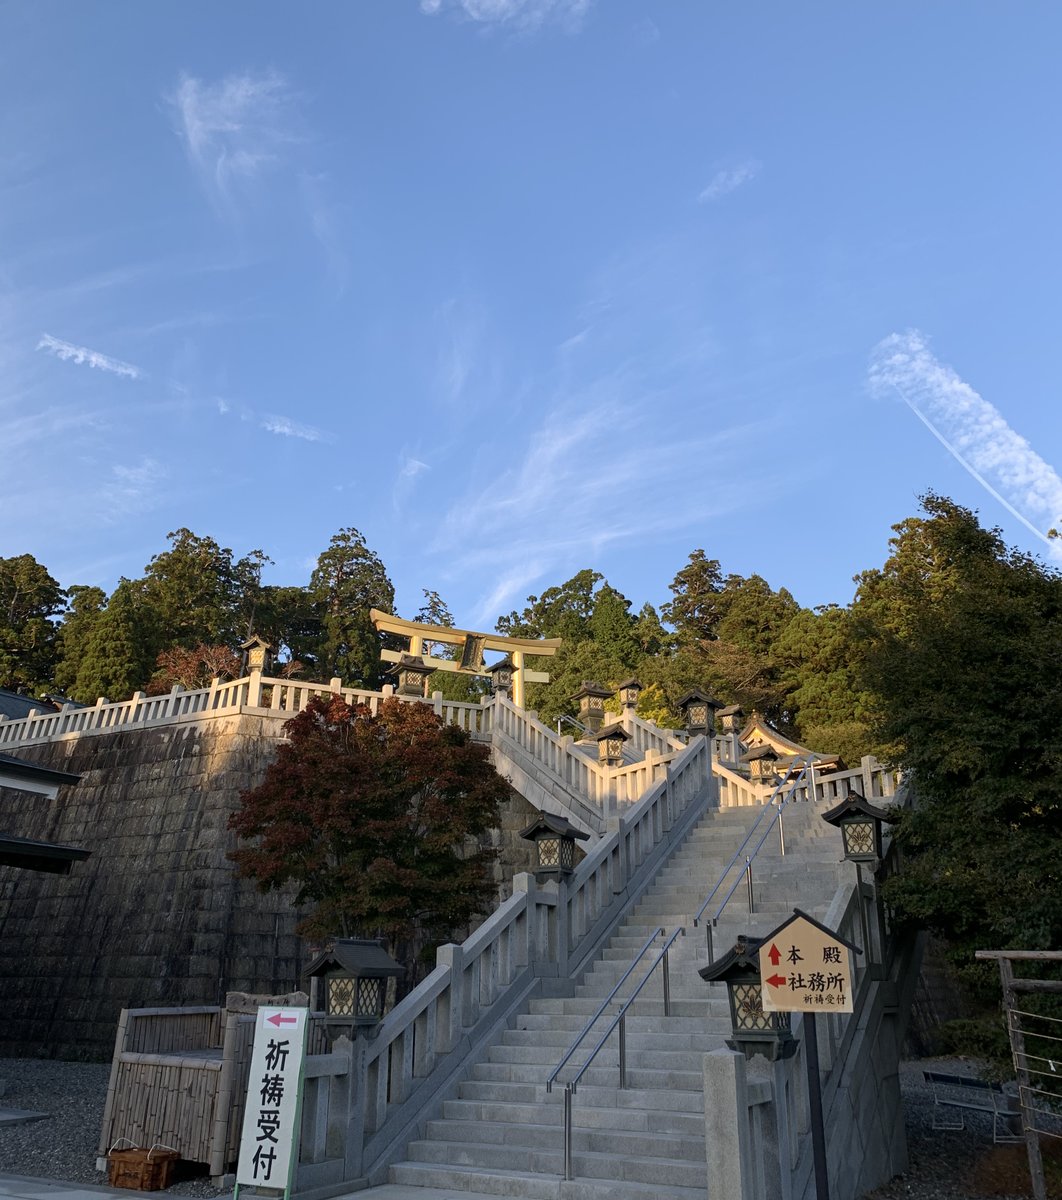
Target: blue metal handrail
[[620, 1019], [776, 810]]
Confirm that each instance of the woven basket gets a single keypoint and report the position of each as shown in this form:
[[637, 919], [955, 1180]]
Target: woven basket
[[139, 1169]]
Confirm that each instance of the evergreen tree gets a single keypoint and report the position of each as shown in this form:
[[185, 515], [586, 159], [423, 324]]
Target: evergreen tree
[[694, 608], [121, 647], [194, 591], [347, 582], [29, 599], [962, 642], [86, 604]]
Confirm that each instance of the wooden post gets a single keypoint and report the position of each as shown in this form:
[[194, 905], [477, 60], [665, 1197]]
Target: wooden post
[[517, 657]]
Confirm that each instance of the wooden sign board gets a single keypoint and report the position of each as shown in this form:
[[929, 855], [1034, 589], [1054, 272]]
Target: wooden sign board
[[805, 967]]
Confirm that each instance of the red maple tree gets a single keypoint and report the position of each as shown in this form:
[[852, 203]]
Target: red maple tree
[[379, 823]]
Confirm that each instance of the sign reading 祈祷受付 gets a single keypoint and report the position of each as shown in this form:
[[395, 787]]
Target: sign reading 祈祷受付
[[271, 1119], [805, 967]]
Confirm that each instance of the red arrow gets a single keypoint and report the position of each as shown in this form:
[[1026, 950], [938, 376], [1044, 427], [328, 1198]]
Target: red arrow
[[777, 981], [774, 954], [278, 1020]]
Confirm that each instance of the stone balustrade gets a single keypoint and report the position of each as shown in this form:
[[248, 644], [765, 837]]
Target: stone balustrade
[[537, 935]]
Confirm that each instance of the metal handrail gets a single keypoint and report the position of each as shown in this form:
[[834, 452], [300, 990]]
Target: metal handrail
[[604, 1004], [619, 1019], [747, 873], [565, 719]]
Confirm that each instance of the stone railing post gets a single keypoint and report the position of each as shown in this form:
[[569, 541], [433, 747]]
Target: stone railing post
[[335, 685], [726, 1126], [437, 703], [254, 689], [354, 1134], [867, 763], [450, 1029]]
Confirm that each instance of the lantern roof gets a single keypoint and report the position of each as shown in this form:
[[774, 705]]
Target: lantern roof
[[855, 805], [503, 664], [255, 640], [590, 688], [632, 683], [757, 752], [696, 696], [551, 823], [739, 964], [731, 710], [358, 956], [615, 730], [410, 662]]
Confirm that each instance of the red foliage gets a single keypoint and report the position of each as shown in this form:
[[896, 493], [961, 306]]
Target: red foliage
[[375, 820]]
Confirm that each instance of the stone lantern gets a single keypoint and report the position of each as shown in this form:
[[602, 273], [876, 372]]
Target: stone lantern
[[257, 654], [860, 824], [610, 739], [411, 675], [730, 719], [762, 763], [698, 711], [554, 839], [629, 693], [501, 677], [592, 697], [753, 1030], [354, 974]]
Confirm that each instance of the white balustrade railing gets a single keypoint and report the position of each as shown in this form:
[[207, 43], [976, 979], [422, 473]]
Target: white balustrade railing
[[535, 934], [870, 779], [254, 694], [644, 735]]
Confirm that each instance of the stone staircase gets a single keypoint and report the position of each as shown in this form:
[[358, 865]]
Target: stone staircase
[[503, 1133]]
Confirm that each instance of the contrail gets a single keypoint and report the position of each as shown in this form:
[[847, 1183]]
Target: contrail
[[971, 429]]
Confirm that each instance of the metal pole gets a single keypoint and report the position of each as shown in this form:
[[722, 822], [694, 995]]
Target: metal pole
[[667, 986], [748, 883], [568, 1131], [708, 935], [781, 833], [623, 1050], [1021, 1065], [818, 1133]]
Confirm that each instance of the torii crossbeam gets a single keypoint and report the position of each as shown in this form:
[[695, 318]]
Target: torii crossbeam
[[472, 645]]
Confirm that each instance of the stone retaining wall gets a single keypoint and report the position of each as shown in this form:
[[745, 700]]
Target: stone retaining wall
[[156, 916]]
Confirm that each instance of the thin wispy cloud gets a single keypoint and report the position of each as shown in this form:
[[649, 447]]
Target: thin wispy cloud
[[234, 130], [524, 15], [286, 427], [972, 429], [132, 485], [410, 468], [728, 180], [83, 356], [563, 500]]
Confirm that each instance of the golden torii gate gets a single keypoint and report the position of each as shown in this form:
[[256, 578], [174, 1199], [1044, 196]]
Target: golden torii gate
[[472, 646]]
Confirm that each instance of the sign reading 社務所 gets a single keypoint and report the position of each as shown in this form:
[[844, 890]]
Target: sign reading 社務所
[[269, 1145], [805, 967]]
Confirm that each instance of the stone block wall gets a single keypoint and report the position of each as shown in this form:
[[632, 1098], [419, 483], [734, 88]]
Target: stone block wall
[[156, 916]]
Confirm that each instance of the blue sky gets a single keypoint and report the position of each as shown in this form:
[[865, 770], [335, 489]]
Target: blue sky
[[518, 287]]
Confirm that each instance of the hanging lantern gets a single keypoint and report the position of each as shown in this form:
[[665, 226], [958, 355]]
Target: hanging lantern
[[629, 693], [731, 718], [410, 674], [257, 654], [354, 974], [591, 698], [698, 711], [753, 1030], [861, 825], [501, 677], [610, 739], [762, 762], [554, 839]]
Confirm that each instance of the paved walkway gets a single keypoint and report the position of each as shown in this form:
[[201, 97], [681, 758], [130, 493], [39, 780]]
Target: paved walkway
[[18, 1187]]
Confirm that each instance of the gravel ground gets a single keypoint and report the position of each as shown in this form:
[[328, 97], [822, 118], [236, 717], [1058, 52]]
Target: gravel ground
[[64, 1146]]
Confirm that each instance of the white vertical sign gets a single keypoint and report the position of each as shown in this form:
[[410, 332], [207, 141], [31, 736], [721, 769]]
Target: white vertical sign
[[269, 1144]]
